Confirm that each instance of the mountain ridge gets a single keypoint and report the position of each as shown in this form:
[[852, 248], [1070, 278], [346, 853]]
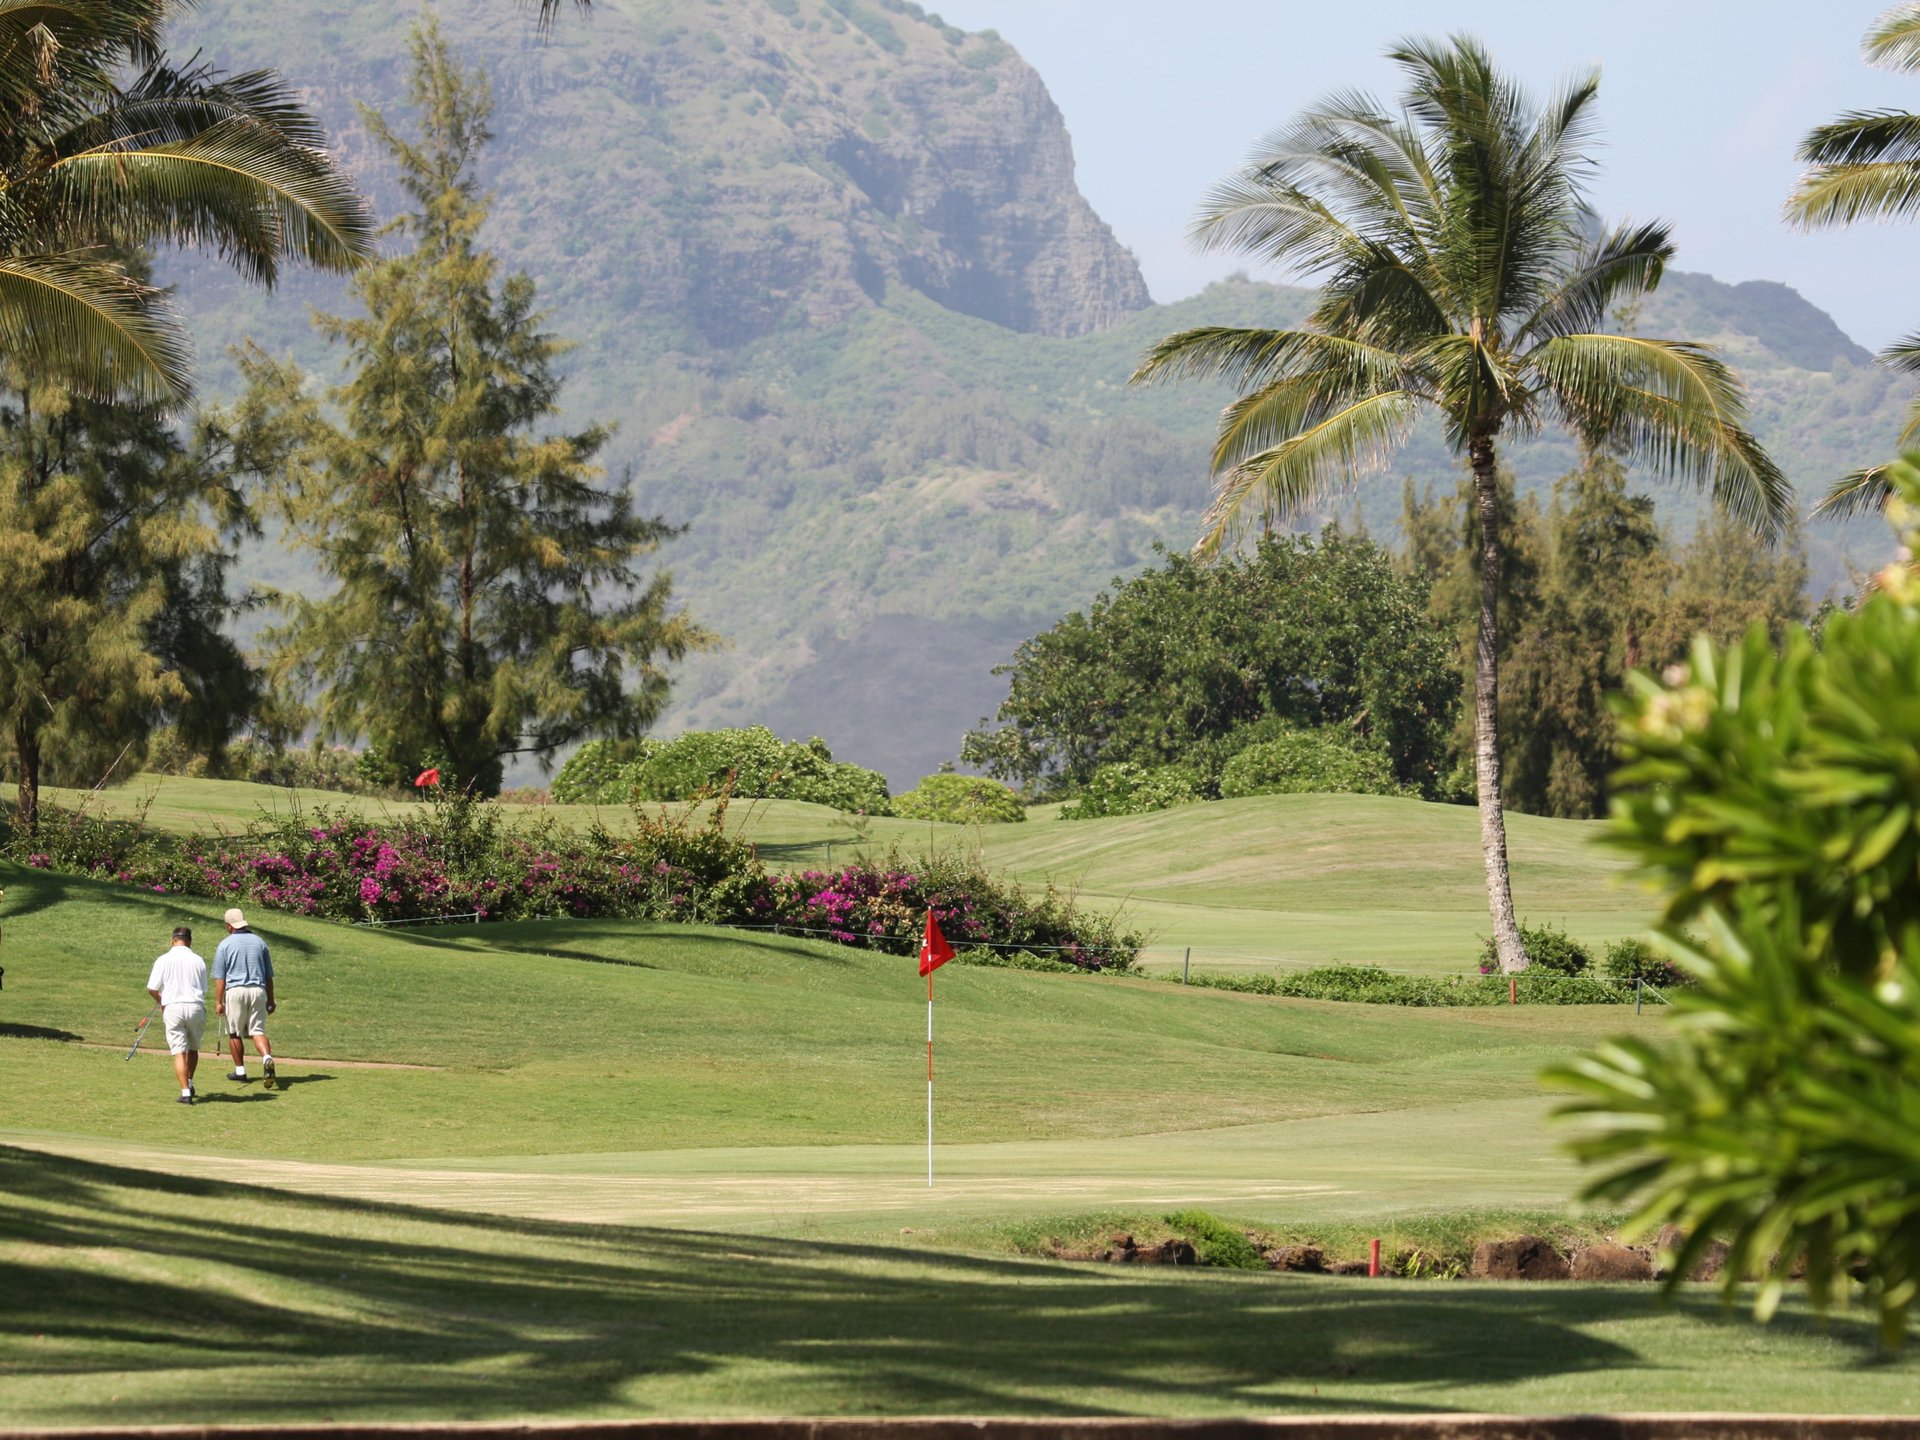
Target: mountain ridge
[[882, 383]]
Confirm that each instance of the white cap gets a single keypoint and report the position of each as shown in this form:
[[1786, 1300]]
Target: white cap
[[234, 918]]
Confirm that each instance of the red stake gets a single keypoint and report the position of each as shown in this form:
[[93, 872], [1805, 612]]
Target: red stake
[[1513, 991], [1373, 1258]]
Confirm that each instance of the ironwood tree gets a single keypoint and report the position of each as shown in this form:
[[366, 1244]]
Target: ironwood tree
[[114, 548], [484, 593]]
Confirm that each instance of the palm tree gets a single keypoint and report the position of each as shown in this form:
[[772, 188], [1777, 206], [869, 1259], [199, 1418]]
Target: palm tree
[[1463, 276], [1866, 166], [106, 147]]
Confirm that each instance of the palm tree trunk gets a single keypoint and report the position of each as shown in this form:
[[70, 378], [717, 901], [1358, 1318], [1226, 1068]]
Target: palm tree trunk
[[1486, 714]]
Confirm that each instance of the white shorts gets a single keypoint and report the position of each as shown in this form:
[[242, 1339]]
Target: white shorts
[[185, 1024], [246, 1010]]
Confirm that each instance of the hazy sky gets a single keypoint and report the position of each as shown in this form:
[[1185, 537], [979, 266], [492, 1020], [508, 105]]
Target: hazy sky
[[1701, 105]]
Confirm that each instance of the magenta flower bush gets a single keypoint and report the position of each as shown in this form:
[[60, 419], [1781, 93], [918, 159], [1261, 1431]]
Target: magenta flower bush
[[454, 858]]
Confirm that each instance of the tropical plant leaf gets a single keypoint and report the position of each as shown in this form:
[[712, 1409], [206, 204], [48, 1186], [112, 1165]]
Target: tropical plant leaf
[[88, 322], [1842, 194], [1307, 466], [239, 186], [1894, 40], [1673, 405], [1630, 261], [1858, 492], [1252, 358]]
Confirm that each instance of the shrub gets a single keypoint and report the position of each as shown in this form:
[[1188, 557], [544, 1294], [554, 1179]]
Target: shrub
[[960, 800], [1317, 762], [1216, 1242], [454, 857], [1547, 949], [882, 904], [1127, 788], [751, 763], [1631, 960], [1370, 985], [1774, 796], [597, 773]]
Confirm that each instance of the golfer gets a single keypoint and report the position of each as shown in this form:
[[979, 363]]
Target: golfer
[[178, 984], [243, 989]]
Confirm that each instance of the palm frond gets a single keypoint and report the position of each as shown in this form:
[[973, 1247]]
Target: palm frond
[[1672, 406], [1894, 40], [165, 105], [1903, 355], [1510, 168], [1859, 492], [94, 327], [1842, 194], [549, 10], [1287, 226], [1307, 466], [1353, 121], [1253, 358], [1629, 261], [1861, 137], [1275, 413], [1473, 385], [239, 186]]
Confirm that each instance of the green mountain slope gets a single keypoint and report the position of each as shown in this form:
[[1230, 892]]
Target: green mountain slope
[[828, 270]]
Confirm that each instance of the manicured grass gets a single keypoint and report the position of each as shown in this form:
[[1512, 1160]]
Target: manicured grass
[[648, 1169], [1245, 884], [135, 1298], [571, 1037]]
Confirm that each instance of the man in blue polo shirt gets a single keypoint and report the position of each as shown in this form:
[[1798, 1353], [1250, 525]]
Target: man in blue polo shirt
[[243, 989]]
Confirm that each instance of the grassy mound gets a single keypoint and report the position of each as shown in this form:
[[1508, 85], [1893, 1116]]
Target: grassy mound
[[592, 1036]]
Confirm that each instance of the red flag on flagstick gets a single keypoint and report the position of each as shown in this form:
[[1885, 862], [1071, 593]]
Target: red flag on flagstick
[[934, 949], [426, 778]]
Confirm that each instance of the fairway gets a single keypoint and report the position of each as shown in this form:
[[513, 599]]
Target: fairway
[[139, 1298], [606, 1168], [588, 1037]]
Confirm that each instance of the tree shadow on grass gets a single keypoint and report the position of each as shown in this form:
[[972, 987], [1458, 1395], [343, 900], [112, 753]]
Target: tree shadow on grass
[[513, 938], [35, 1032], [301, 1307], [30, 891]]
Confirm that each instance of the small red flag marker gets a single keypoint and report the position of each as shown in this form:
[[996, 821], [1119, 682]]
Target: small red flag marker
[[429, 776], [934, 952]]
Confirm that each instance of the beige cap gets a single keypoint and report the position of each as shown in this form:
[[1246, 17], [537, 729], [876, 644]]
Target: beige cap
[[234, 918]]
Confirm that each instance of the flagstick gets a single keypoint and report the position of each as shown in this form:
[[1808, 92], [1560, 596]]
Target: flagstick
[[930, 1079]]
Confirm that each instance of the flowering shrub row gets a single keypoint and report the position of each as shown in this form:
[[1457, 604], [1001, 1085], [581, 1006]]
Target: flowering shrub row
[[455, 858]]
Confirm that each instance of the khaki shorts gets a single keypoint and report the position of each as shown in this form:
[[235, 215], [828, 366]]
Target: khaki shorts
[[185, 1025], [246, 1010]]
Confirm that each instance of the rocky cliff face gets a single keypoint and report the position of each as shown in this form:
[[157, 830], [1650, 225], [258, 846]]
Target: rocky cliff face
[[719, 171], [827, 270]]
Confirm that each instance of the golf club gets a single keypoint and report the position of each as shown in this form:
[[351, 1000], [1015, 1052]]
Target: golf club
[[142, 1030]]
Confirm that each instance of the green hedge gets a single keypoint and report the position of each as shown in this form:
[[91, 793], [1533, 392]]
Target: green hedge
[[1369, 984]]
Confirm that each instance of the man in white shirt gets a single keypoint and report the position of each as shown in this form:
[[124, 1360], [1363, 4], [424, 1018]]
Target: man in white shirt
[[178, 984]]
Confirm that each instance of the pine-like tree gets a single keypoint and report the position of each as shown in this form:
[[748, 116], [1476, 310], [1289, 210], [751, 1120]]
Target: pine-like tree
[[113, 593], [485, 600]]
